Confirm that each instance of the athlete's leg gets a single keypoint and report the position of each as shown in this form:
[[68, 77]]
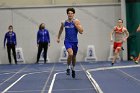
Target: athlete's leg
[[75, 49], [137, 60], [138, 57], [73, 65], [69, 59], [116, 54], [73, 61]]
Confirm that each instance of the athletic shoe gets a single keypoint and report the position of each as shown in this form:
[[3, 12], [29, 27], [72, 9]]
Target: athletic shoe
[[112, 64], [68, 72], [136, 62], [132, 58], [73, 74]]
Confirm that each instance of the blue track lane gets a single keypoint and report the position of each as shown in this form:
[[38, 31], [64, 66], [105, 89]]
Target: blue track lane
[[38, 78], [118, 80], [66, 84]]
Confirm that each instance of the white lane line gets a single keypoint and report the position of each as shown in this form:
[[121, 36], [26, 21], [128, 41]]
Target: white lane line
[[6, 74], [115, 67], [58, 90], [92, 80], [13, 75], [129, 75], [28, 91], [43, 90], [29, 72], [53, 80], [94, 83], [38, 72], [104, 68], [4, 91]]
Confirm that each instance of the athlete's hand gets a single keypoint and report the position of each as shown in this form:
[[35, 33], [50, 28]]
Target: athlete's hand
[[76, 22], [124, 40], [58, 40], [78, 26], [49, 44], [111, 40]]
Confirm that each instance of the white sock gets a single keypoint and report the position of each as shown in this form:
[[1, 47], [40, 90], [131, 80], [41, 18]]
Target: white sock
[[68, 67], [72, 67]]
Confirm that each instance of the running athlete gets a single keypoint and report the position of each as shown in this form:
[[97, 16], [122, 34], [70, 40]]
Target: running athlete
[[72, 27], [138, 58], [120, 35]]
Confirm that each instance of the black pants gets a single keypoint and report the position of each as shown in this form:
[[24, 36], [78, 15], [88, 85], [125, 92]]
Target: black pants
[[9, 48], [40, 47]]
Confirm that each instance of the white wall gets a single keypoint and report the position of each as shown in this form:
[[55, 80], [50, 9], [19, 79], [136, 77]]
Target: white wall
[[49, 2], [97, 20]]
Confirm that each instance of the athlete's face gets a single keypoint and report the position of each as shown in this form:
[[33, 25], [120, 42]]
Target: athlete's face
[[70, 15], [120, 22], [43, 26], [10, 29]]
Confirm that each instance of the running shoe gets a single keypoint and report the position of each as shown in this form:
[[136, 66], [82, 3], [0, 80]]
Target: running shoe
[[73, 74], [68, 71]]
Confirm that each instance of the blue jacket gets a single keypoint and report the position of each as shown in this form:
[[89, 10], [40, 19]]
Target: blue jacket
[[10, 37], [43, 36]]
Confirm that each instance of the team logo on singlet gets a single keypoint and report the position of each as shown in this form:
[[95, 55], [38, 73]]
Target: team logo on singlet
[[70, 26]]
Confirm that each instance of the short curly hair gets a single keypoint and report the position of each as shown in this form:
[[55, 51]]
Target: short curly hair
[[71, 9], [10, 27]]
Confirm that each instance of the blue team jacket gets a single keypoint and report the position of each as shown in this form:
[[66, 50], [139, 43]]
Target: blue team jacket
[[10, 37], [43, 36]]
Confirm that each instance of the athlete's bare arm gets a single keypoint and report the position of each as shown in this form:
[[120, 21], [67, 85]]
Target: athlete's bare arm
[[78, 26], [111, 34], [126, 33], [138, 29], [60, 32]]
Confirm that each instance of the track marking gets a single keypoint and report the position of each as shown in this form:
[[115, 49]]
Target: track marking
[[13, 75], [27, 91], [4, 91], [53, 80], [115, 67], [106, 68], [129, 75], [43, 90], [73, 89], [92, 80]]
